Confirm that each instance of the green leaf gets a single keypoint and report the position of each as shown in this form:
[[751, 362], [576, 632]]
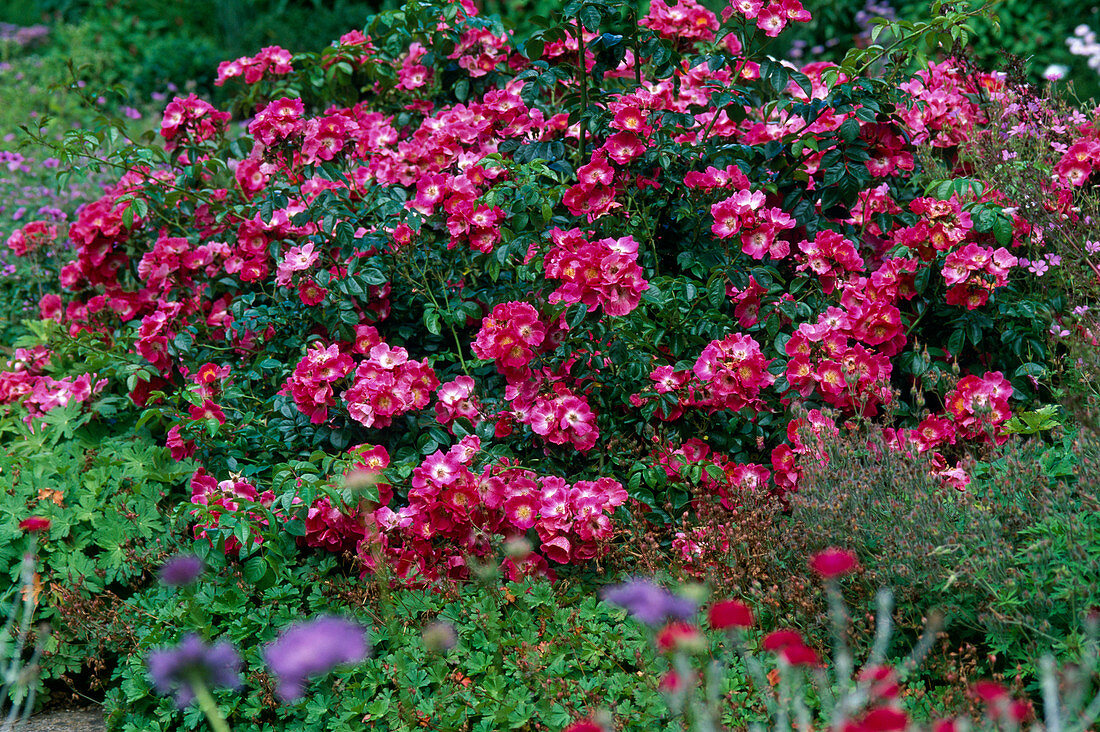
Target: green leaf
[[590, 17], [1002, 229], [432, 321], [577, 314], [849, 129]]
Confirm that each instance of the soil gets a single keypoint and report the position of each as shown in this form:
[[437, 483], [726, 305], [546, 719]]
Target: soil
[[89, 719]]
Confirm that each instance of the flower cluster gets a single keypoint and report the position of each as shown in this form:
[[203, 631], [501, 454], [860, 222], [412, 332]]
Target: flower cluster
[[829, 256], [191, 120], [972, 272], [600, 273], [942, 226], [944, 112], [311, 383], [687, 20], [1080, 161], [24, 378], [745, 213], [509, 335], [32, 237], [278, 121], [174, 262], [560, 416], [979, 406], [452, 512], [331, 529], [772, 18], [218, 498], [389, 384], [456, 399], [732, 371], [272, 59]]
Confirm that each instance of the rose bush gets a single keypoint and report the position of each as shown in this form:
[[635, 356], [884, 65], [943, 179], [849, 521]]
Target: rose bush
[[443, 287]]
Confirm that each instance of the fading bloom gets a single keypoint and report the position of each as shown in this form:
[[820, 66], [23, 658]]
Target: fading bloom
[[175, 670], [649, 602], [311, 649], [180, 570]]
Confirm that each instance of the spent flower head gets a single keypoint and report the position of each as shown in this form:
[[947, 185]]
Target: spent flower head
[[439, 636], [176, 671], [313, 648]]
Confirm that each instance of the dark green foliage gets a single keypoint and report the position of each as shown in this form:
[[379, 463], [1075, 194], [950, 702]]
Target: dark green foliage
[[111, 502], [528, 656]]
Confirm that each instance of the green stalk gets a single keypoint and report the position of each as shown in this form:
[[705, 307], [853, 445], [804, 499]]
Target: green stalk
[[583, 70], [208, 706]]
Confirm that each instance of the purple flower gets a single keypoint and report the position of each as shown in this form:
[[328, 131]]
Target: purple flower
[[175, 670], [649, 602], [311, 649], [182, 569]]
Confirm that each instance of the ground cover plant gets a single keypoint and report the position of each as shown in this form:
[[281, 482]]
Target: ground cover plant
[[443, 317]]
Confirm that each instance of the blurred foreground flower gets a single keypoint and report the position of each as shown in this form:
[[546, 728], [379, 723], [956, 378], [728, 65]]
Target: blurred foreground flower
[[833, 562], [192, 667], [35, 523], [180, 570], [649, 602], [311, 649], [440, 636]]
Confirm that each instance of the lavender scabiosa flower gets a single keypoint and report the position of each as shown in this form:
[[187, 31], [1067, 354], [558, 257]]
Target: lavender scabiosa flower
[[192, 667], [311, 649], [649, 602], [180, 570]]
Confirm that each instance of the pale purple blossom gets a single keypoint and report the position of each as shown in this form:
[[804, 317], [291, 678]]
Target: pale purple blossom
[[182, 569], [174, 671], [649, 602], [313, 648]]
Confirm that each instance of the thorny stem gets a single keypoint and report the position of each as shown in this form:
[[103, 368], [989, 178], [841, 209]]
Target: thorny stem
[[41, 140], [450, 324], [423, 281]]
